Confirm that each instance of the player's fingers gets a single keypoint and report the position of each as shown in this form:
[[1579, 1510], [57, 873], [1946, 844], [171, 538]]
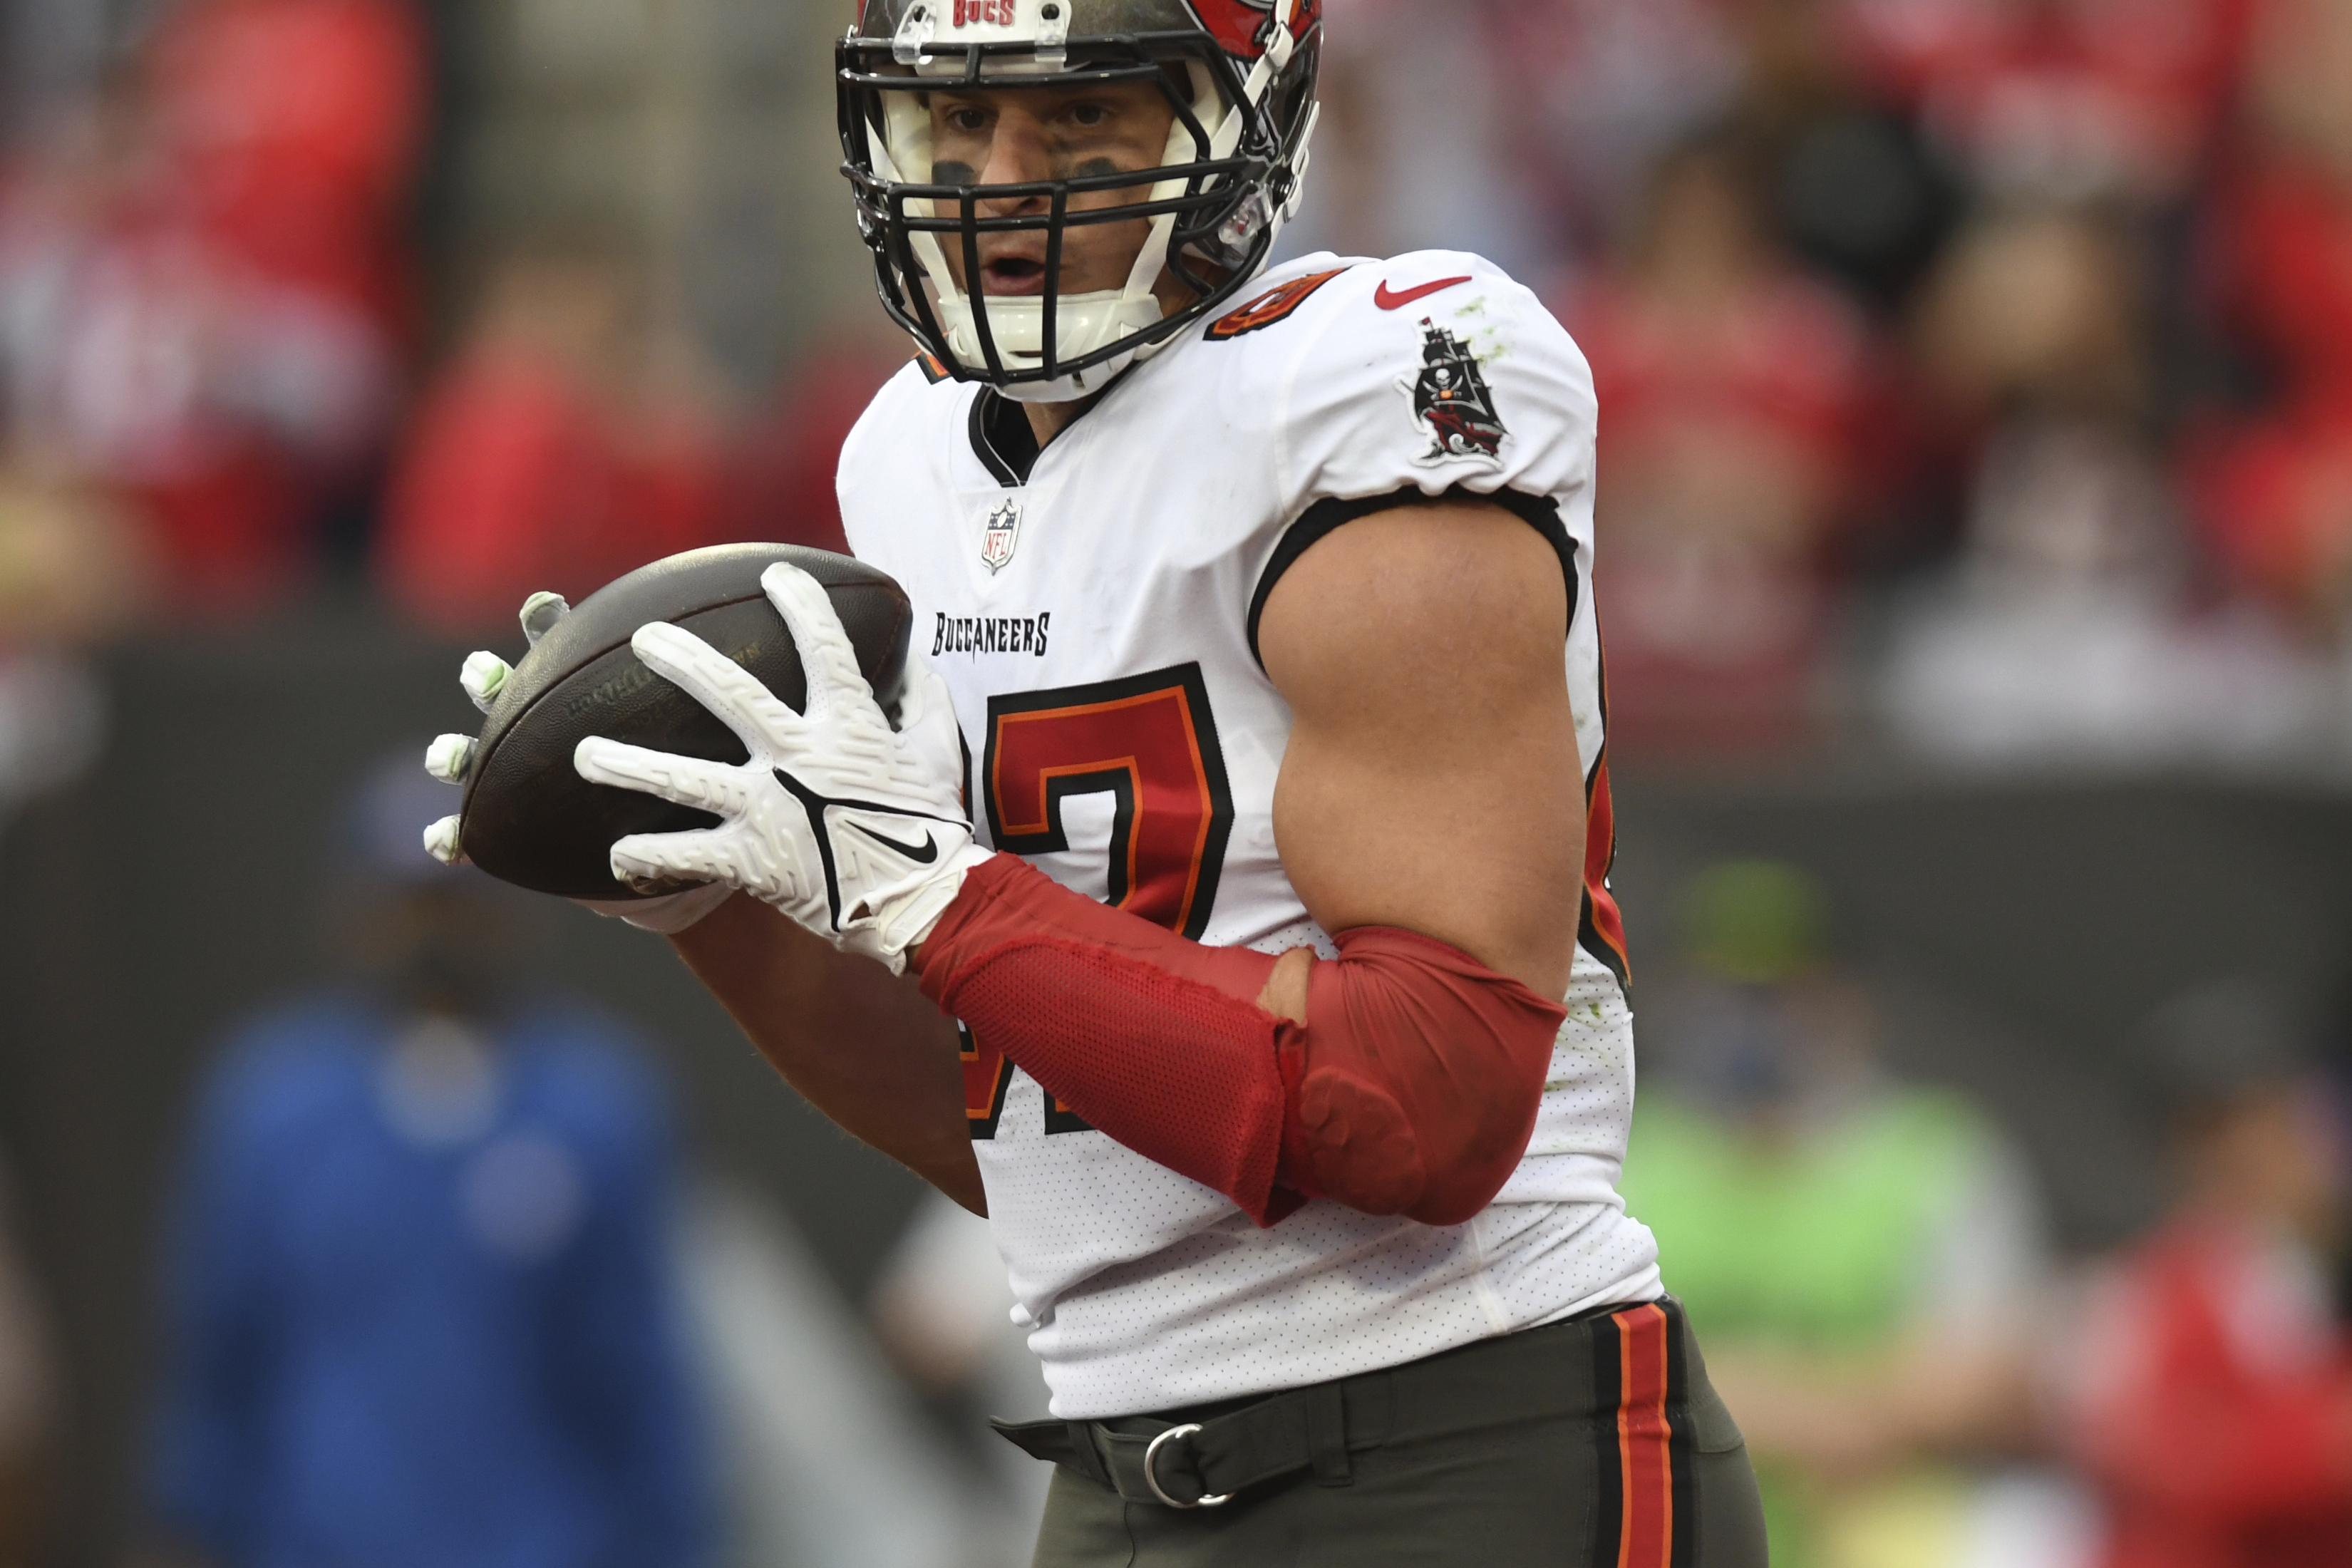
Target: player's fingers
[[448, 758], [662, 862], [539, 613], [484, 676], [732, 694], [682, 780], [441, 841], [826, 655]]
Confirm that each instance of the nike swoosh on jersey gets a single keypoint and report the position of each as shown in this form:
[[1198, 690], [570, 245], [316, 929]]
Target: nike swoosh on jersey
[[1388, 301], [921, 855]]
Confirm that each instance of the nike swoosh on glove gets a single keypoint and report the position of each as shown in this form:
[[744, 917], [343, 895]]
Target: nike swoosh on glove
[[853, 828]]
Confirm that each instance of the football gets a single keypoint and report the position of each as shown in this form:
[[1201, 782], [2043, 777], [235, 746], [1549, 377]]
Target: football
[[527, 818]]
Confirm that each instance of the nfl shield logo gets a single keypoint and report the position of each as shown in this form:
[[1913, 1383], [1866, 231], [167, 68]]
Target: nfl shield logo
[[1000, 532]]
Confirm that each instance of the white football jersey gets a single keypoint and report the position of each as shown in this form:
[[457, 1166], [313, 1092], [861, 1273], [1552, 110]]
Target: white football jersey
[[1096, 618]]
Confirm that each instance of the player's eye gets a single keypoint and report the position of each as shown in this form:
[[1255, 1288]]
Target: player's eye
[[965, 117], [1089, 116]]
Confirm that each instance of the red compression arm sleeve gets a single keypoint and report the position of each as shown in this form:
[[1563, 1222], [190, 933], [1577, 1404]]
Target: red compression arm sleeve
[[1411, 1087]]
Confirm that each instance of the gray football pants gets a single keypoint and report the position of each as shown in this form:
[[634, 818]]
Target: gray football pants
[[1596, 1443]]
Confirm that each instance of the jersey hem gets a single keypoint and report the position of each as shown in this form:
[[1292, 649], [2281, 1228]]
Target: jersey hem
[[1644, 1285]]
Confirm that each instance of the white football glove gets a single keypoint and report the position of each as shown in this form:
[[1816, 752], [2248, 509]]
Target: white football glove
[[853, 829], [450, 756]]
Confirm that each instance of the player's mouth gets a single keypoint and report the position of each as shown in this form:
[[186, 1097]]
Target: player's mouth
[[1012, 275]]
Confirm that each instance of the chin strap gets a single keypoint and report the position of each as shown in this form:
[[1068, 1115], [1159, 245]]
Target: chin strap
[[1410, 1089]]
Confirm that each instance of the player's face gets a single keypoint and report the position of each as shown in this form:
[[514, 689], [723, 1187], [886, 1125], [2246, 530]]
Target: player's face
[[1019, 136]]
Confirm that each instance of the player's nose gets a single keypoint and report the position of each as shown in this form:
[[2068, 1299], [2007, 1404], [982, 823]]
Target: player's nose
[[1018, 154]]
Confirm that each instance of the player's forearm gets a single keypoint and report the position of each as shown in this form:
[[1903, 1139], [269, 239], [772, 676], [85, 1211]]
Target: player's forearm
[[1403, 1078], [864, 1047]]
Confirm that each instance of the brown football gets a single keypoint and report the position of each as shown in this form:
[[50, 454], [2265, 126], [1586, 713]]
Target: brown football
[[530, 819]]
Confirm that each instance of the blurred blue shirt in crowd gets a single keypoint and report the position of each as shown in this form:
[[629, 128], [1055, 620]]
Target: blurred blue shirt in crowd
[[420, 1305]]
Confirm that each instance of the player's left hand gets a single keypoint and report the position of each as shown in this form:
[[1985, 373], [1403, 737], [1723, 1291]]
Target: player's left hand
[[855, 829], [450, 757]]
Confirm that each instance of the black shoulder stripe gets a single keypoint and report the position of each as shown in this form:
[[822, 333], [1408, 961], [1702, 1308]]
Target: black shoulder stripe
[[1538, 512]]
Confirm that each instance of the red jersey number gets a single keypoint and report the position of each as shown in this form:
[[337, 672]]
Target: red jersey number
[[1149, 742]]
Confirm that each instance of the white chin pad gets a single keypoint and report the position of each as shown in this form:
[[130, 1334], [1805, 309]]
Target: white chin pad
[[1082, 323]]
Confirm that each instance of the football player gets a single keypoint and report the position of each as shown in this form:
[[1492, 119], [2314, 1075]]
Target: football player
[[1240, 837]]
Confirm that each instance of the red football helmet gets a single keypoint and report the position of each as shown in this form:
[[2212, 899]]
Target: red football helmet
[[1240, 76]]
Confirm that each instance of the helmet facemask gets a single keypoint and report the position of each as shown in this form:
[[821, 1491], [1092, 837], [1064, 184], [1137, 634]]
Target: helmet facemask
[[1226, 179]]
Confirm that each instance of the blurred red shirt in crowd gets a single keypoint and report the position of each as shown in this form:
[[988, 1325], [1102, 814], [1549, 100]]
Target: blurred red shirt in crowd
[[553, 451], [2274, 497], [2065, 96], [2210, 1374], [1732, 387], [2273, 488], [202, 286], [512, 482], [291, 129], [2216, 1417], [2281, 259]]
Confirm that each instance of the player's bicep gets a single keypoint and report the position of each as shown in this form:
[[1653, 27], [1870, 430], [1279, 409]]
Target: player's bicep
[[1431, 781]]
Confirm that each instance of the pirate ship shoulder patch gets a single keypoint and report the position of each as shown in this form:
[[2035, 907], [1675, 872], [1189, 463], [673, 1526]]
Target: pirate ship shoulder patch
[[1452, 403]]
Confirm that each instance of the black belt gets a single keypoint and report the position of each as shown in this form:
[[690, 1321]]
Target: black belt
[[1200, 1464], [1199, 1459]]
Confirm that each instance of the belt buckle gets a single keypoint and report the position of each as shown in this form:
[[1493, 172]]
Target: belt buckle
[[1152, 1479]]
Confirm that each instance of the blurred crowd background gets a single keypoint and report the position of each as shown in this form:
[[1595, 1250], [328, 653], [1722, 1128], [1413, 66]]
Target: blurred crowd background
[[1976, 533]]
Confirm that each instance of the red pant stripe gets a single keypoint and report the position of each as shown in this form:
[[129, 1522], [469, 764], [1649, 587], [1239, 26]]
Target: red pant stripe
[[1645, 1439]]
